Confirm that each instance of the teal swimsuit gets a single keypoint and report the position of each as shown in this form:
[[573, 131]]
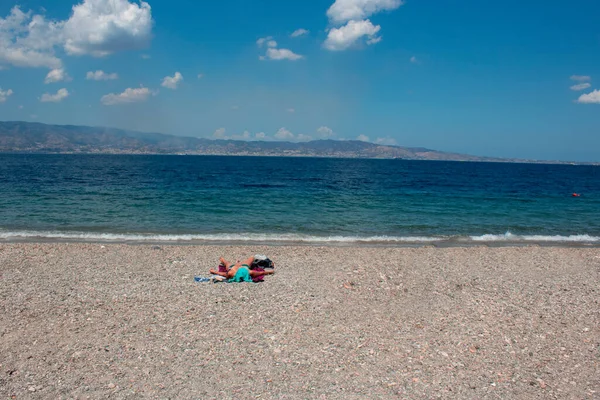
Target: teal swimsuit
[[242, 275]]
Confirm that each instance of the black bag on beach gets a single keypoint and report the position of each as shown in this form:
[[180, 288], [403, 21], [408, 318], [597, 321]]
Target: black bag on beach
[[262, 264]]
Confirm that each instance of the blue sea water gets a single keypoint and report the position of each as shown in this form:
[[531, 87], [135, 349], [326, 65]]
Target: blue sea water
[[294, 200]]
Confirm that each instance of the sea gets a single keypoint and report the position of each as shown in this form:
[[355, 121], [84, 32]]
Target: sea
[[295, 201]]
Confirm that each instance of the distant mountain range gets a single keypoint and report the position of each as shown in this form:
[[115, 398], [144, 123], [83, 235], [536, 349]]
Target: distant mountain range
[[28, 137]]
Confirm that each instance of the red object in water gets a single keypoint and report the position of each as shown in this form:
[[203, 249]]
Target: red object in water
[[576, 195]]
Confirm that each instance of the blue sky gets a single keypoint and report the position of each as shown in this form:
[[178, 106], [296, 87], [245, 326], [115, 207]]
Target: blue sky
[[509, 79]]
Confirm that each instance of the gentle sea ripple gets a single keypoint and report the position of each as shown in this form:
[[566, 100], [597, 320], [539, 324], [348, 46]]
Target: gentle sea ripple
[[202, 198]]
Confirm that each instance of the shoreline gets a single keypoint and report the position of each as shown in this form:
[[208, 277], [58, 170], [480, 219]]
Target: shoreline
[[365, 245], [483, 159], [93, 320], [261, 239]]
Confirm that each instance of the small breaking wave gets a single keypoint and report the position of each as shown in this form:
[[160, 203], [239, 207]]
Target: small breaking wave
[[218, 237], [509, 237], [290, 238]]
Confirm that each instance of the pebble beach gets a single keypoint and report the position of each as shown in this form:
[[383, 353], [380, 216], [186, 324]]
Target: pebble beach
[[123, 321]]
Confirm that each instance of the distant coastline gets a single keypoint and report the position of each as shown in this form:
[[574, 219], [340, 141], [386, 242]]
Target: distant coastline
[[37, 138]]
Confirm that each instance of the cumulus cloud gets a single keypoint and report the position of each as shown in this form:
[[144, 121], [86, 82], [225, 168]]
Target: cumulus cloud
[[363, 138], [260, 135], [273, 53], [590, 98], [96, 27], [28, 40], [386, 141], [266, 40], [580, 78], [354, 14], [55, 98], [346, 10], [299, 32], [219, 133], [5, 94], [580, 86], [172, 82], [325, 132], [284, 134], [103, 27], [130, 95], [100, 76], [281, 54], [342, 38], [57, 75], [243, 136]]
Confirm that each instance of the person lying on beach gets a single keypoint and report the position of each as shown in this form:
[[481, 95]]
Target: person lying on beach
[[240, 271]]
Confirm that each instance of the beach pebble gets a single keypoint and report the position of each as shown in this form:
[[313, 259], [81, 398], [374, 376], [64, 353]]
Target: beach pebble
[[121, 323]]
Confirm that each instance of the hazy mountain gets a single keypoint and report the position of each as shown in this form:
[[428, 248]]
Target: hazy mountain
[[27, 137]]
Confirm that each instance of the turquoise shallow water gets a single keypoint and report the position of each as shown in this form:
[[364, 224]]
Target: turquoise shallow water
[[201, 198]]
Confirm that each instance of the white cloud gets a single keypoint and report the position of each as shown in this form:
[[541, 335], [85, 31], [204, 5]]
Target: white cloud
[[299, 32], [200, 76], [261, 42], [291, 110], [103, 27], [363, 138], [281, 54], [386, 141], [580, 78], [146, 56], [284, 134], [244, 136], [303, 138], [580, 86], [347, 10], [19, 57], [100, 76], [235, 107], [273, 53], [28, 40], [590, 98], [96, 27], [325, 132], [5, 94], [260, 135], [414, 60], [172, 82], [55, 98], [344, 37], [219, 134], [128, 96], [57, 75]]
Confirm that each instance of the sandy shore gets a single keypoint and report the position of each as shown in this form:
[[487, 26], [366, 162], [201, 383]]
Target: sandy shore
[[128, 322]]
